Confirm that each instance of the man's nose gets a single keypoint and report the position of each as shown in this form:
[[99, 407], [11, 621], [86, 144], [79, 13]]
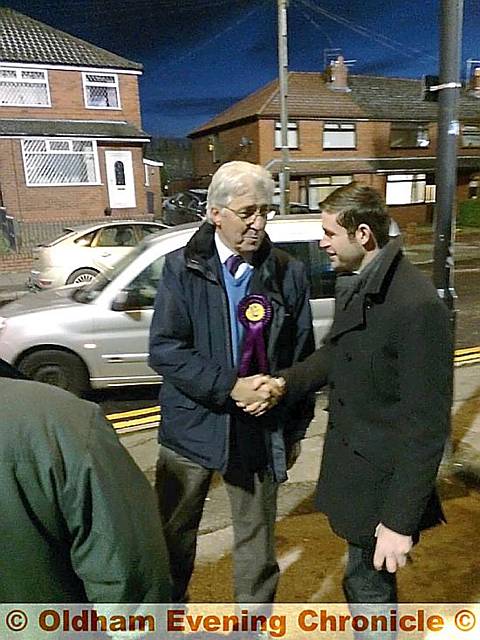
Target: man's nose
[[258, 223], [323, 243]]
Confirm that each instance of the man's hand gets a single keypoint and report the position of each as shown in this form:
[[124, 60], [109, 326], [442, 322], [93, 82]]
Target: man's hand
[[391, 549], [257, 394]]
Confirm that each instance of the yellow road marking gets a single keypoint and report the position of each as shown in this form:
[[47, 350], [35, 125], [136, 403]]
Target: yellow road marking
[[153, 420], [472, 357], [134, 412], [461, 352]]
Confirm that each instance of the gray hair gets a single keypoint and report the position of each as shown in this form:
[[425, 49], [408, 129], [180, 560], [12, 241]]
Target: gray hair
[[234, 179]]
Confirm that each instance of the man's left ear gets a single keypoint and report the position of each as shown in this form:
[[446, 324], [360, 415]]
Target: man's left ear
[[364, 235]]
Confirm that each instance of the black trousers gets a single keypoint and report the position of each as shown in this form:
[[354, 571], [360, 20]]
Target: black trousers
[[364, 585], [182, 486]]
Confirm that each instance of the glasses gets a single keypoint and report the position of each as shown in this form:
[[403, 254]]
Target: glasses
[[250, 214]]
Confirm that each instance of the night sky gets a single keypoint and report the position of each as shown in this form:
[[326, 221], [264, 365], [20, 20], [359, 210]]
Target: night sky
[[200, 56]]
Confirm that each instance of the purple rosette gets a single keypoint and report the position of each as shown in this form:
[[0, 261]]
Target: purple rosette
[[255, 313]]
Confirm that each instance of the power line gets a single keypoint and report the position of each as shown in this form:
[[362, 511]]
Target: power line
[[385, 41], [207, 43]]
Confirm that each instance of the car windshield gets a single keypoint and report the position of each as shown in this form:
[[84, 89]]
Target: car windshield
[[90, 291], [65, 234]]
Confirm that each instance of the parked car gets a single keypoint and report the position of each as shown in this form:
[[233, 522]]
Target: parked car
[[82, 252], [97, 335], [186, 206]]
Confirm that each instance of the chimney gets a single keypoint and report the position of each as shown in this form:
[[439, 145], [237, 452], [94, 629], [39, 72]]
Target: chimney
[[338, 75], [475, 83]]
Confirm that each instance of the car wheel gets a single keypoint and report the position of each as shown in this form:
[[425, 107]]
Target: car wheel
[[59, 368], [82, 276]]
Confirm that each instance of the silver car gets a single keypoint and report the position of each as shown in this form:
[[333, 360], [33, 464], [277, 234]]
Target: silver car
[[97, 335], [82, 252]]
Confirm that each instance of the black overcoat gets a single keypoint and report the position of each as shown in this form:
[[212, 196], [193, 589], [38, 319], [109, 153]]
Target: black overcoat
[[388, 363]]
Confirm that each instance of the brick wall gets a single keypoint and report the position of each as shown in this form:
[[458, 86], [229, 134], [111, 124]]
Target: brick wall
[[50, 203], [67, 100]]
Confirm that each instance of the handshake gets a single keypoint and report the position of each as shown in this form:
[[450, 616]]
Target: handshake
[[257, 394]]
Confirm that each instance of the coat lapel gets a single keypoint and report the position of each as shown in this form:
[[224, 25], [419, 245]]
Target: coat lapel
[[353, 316]]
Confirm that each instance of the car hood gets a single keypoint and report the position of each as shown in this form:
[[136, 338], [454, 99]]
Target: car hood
[[37, 301]]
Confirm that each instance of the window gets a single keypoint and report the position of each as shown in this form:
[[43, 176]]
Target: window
[[101, 91], [317, 264], [408, 135], [339, 135], [144, 288], [60, 162], [470, 135], [292, 135], [24, 88], [320, 188], [407, 188]]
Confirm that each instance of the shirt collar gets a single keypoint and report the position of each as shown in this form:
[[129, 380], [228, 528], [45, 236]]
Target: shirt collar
[[223, 251]]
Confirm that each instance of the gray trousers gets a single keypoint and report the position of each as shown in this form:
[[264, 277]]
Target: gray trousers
[[182, 486]]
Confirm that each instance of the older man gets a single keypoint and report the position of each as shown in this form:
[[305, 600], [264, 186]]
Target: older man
[[228, 276]]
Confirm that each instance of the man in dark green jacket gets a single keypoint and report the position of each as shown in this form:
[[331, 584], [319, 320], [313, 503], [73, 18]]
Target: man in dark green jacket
[[79, 522]]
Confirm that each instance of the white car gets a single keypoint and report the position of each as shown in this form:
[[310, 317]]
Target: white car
[[82, 252], [97, 335]]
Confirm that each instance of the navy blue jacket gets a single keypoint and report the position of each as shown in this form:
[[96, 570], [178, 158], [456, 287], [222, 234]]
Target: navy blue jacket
[[190, 346]]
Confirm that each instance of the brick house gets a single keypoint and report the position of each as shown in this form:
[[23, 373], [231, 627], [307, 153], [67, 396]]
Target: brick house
[[71, 138], [374, 129]]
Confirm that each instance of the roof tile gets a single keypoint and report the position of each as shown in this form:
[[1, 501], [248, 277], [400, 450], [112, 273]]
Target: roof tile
[[25, 40], [371, 97]]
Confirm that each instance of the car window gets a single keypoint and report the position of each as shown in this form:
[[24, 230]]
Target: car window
[[146, 229], [86, 240], [317, 264], [144, 287], [116, 236]]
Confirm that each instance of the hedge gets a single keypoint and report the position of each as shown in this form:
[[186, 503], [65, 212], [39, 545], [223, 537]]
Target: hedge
[[468, 214]]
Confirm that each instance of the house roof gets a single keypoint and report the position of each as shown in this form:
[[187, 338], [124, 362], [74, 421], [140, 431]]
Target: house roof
[[367, 165], [25, 40], [309, 96], [71, 129]]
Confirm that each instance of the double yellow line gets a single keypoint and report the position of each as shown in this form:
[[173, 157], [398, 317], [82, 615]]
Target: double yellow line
[[466, 356], [149, 417], [135, 420]]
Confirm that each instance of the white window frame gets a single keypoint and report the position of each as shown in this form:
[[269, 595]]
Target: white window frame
[[93, 142], [415, 180], [292, 135], [338, 128], [470, 130], [89, 83], [19, 71]]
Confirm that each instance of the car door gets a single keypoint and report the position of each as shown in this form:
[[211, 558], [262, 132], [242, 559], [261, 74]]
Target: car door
[[111, 243], [123, 335]]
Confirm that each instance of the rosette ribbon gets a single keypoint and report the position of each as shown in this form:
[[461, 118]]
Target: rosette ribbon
[[255, 314]]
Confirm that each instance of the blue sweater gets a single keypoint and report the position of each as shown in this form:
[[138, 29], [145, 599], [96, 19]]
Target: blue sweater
[[237, 289]]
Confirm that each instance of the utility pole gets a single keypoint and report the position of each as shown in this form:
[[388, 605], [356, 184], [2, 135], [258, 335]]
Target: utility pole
[[446, 167], [284, 173]]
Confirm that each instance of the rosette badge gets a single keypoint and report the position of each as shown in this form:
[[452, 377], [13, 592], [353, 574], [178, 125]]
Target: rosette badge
[[255, 313]]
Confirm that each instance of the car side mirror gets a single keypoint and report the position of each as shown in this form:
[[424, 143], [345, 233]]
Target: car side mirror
[[126, 300]]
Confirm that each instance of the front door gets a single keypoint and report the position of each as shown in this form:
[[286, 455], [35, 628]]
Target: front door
[[121, 186]]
